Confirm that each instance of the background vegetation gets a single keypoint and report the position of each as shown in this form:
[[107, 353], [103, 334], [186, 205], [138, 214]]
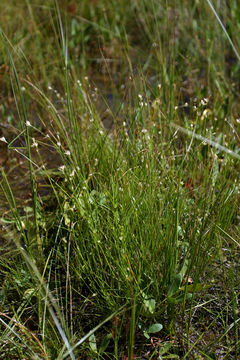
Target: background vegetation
[[119, 160]]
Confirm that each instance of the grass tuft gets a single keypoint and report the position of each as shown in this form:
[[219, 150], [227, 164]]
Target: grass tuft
[[119, 155]]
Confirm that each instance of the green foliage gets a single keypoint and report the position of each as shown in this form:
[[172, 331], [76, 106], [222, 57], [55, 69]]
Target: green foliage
[[120, 225]]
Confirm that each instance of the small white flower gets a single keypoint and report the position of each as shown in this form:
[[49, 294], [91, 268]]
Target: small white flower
[[28, 123], [204, 101], [67, 153], [205, 114], [34, 144], [3, 139], [72, 173], [61, 168]]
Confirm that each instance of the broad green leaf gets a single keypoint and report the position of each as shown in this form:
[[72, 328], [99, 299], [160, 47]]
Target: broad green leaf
[[165, 348], [174, 287], [179, 299], [28, 209], [102, 199], [155, 328], [92, 197], [150, 305], [145, 333], [93, 343], [104, 343], [195, 287]]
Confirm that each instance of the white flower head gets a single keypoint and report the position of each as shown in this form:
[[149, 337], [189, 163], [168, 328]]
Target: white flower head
[[61, 168], [204, 101], [34, 144], [3, 139], [72, 173]]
